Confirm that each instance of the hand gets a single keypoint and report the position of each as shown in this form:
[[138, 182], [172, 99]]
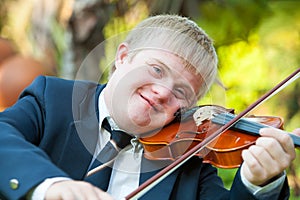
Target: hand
[[296, 132], [71, 190], [273, 152]]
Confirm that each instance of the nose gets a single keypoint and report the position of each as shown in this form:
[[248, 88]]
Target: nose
[[162, 93]]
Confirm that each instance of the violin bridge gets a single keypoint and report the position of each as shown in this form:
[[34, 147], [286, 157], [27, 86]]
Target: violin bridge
[[202, 114]]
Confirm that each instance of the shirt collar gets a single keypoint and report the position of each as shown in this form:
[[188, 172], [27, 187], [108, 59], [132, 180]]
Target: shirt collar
[[103, 112]]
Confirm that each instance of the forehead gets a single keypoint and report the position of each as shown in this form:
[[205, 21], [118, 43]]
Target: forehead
[[180, 68], [174, 61]]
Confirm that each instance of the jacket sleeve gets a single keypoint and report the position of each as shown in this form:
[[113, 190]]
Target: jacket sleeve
[[239, 190], [23, 163], [198, 180]]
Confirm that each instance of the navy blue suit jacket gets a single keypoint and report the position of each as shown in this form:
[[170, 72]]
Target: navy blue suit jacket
[[52, 132]]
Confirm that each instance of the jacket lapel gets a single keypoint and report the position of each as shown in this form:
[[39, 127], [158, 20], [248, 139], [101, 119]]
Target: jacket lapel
[[78, 150], [82, 135]]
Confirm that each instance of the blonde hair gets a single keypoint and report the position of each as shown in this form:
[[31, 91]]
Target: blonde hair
[[181, 36]]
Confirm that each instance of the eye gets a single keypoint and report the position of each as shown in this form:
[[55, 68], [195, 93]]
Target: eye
[[184, 95], [156, 71], [180, 93]]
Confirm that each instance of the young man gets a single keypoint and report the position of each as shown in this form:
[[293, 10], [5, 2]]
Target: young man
[[53, 135]]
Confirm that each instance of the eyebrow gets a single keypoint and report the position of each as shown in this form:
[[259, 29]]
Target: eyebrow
[[163, 64]]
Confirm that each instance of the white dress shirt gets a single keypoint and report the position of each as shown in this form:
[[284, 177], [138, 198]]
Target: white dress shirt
[[126, 167]]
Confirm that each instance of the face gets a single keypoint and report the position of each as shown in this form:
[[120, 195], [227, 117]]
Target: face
[[146, 90]]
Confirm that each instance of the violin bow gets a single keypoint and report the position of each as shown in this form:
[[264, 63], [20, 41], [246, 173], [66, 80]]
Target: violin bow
[[150, 183]]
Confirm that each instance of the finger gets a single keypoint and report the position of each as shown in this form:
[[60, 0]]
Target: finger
[[284, 139], [79, 192], [68, 195], [251, 168], [252, 162], [59, 191], [102, 195], [245, 170], [265, 160], [272, 147], [75, 190], [89, 192], [296, 131], [274, 156]]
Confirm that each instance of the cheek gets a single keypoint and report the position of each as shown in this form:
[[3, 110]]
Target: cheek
[[125, 85], [148, 118], [134, 79], [175, 104]]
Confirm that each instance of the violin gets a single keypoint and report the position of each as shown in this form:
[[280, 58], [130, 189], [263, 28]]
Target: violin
[[192, 127], [211, 138]]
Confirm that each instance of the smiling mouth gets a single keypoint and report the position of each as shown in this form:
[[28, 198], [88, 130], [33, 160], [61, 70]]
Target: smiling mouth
[[151, 103]]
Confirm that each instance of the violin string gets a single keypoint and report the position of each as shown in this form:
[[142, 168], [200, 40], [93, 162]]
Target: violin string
[[242, 124], [248, 126]]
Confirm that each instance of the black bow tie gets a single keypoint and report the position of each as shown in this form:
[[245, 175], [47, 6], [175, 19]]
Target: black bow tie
[[110, 151], [121, 138]]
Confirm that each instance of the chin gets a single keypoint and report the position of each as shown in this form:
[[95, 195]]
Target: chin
[[141, 127], [140, 119]]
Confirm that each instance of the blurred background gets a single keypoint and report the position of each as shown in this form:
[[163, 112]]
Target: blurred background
[[257, 41]]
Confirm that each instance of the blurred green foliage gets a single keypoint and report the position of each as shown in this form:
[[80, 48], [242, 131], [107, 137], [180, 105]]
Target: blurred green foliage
[[258, 46], [257, 41]]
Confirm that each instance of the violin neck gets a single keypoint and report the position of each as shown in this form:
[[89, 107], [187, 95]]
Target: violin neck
[[296, 139], [247, 126]]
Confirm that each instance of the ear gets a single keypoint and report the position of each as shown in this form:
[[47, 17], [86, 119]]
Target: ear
[[121, 55]]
